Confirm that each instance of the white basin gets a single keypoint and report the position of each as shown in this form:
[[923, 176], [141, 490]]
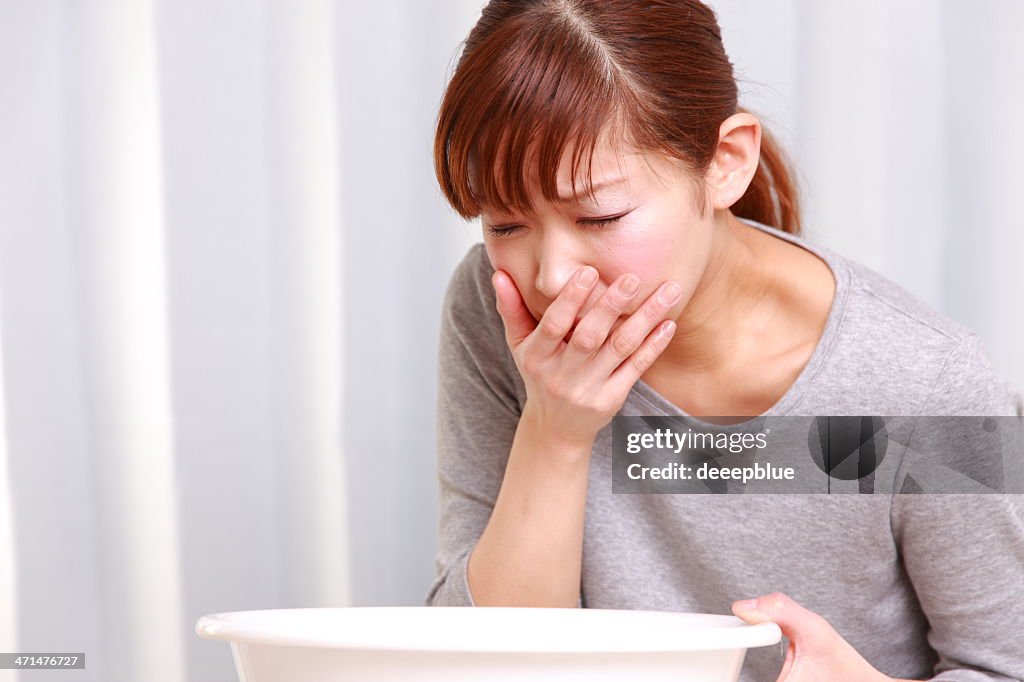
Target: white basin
[[466, 644]]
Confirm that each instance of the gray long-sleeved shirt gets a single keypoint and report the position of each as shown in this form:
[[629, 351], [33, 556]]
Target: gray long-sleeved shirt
[[923, 586]]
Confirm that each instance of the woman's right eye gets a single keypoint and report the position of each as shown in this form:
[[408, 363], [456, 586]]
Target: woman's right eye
[[502, 231]]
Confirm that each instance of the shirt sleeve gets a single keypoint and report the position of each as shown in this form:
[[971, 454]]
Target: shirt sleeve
[[478, 410], [964, 553]]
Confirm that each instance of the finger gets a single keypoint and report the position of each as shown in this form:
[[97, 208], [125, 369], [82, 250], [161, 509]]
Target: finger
[[787, 665], [519, 323], [627, 339], [558, 319], [803, 627], [592, 331], [623, 378]]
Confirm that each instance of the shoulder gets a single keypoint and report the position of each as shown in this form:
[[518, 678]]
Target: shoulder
[[471, 279], [890, 301], [941, 364], [470, 307], [473, 333], [889, 352]]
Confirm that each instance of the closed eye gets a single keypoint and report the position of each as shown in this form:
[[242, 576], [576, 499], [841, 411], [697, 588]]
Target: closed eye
[[596, 222], [502, 231], [600, 222]]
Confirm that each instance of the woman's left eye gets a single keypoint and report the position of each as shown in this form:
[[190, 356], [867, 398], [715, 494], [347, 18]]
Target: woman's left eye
[[499, 232], [601, 222]]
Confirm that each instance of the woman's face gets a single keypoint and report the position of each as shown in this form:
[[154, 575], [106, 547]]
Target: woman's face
[[653, 231]]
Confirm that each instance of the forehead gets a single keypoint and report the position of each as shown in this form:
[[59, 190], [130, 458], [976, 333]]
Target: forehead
[[614, 167]]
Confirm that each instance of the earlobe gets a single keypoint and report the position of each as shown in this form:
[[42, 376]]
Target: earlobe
[[736, 158]]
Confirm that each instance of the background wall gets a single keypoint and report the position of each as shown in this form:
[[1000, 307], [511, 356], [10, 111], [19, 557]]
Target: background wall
[[222, 256]]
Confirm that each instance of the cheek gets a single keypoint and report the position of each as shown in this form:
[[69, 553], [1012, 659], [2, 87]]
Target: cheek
[[654, 256], [494, 255], [512, 263], [645, 260], [653, 260], [505, 259]]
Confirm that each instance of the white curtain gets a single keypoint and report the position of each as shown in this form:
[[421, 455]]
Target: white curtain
[[222, 255], [900, 117]]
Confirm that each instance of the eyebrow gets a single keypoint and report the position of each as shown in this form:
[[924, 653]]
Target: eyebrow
[[610, 182], [596, 187]]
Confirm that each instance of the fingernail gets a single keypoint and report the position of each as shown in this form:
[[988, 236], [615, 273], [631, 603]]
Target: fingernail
[[745, 605], [754, 617], [747, 610], [669, 293], [587, 276], [629, 285]]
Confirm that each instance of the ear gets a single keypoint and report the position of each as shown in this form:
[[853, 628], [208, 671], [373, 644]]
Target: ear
[[736, 159]]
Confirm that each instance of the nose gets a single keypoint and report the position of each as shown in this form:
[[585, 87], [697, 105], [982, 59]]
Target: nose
[[559, 258]]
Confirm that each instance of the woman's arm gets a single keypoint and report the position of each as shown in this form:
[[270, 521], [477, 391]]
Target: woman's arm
[[964, 553], [478, 413], [511, 499], [531, 552]]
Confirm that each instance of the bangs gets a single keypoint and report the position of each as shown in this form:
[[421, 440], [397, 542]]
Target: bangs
[[534, 89]]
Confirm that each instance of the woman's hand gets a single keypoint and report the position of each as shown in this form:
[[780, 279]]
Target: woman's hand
[[816, 651], [576, 384]]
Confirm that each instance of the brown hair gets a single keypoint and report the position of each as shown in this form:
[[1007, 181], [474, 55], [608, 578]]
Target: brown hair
[[536, 76]]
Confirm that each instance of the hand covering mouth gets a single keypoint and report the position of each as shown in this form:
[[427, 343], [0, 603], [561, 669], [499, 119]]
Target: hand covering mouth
[[571, 330], [615, 325]]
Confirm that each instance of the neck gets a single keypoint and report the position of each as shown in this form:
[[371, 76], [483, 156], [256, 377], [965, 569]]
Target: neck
[[734, 291]]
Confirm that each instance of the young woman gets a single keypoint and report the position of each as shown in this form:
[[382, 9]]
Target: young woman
[[642, 256]]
